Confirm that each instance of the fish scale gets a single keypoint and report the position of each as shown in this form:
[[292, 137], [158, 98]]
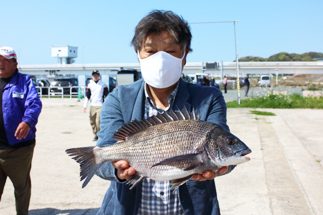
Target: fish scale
[[169, 146]]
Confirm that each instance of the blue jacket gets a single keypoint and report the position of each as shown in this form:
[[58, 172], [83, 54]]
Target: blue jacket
[[20, 103], [126, 103]]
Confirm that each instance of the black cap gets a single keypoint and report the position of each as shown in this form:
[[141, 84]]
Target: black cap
[[95, 72]]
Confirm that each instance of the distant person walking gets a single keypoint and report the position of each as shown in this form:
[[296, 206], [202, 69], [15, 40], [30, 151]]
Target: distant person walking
[[246, 85], [225, 84], [20, 107], [96, 91]]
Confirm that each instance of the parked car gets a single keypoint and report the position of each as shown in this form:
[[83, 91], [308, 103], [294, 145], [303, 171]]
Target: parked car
[[200, 80], [63, 84], [241, 80], [193, 78], [187, 78], [264, 81], [136, 73], [216, 85], [112, 84], [43, 85], [127, 76], [33, 78]]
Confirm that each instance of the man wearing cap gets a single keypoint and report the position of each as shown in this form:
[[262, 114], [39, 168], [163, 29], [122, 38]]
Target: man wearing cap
[[20, 107], [96, 91]]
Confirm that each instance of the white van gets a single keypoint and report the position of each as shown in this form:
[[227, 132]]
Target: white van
[[193, 78], [264, 81]]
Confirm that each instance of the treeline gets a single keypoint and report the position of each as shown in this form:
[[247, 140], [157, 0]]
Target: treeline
[[284, 56]]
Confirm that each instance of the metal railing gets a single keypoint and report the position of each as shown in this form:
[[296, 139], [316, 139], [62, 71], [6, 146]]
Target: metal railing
[[63, 92]]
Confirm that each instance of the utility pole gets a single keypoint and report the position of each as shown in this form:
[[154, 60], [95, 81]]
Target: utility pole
[[237, 61], [235, 46]]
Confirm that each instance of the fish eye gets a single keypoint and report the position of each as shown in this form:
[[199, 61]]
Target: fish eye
[[231, 141]]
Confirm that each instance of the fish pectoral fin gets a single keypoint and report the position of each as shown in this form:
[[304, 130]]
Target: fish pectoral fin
[[178, 182], [184, 162], [135, 180]]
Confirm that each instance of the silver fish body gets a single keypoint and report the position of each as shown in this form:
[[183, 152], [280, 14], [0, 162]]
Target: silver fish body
[[170, 146]]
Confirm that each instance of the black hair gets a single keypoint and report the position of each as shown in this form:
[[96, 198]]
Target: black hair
[[158, 21], [14, 60]]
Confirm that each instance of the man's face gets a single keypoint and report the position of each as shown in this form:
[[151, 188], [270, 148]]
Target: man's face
[[96, 77], [7, 67], [161, 42]]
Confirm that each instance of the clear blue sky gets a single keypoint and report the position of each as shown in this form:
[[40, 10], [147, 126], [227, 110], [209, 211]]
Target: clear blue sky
[[102, 30]]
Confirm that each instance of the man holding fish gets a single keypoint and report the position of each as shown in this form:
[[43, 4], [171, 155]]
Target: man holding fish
[[164, 163]]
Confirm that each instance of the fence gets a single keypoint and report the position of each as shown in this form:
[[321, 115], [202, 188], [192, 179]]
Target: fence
[[63, 92], [256, 92], [231, 84]]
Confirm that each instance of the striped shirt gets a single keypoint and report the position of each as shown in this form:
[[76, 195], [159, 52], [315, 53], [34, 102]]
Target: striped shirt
[[156, 196]]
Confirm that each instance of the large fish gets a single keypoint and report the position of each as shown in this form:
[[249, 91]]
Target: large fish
[[170, 146]]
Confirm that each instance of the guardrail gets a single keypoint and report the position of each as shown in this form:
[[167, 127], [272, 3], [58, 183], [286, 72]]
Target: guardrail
[[63, 92]]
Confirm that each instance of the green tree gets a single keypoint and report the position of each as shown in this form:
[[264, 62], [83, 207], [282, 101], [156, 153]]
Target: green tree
[[284, 56], [296, 57], [251, 59], [315, 54]]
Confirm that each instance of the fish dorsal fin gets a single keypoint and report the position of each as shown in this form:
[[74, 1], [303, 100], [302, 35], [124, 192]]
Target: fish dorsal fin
[[167, 116]]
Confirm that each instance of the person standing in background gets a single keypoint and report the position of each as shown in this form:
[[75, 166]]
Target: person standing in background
[[225, 83], [20, 107], [206, 81], [212, 82], [96, 91], [246, 85]]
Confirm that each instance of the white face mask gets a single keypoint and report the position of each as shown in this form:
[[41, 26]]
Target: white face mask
[[161, 69]]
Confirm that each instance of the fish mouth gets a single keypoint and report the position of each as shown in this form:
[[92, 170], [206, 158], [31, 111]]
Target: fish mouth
[[243, 152]]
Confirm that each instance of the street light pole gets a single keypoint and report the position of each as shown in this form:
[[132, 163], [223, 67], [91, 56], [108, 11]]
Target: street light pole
[[237, 61], [235, 46]]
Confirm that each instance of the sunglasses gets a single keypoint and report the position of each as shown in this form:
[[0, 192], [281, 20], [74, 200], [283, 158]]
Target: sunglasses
[[95, 75]]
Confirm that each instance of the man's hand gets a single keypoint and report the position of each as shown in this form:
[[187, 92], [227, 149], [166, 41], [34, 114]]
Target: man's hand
[[84, 110], [209, 175], [124, 171], [22, 130]]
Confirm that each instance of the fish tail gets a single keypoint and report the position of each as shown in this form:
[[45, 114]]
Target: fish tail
[[86, 158]]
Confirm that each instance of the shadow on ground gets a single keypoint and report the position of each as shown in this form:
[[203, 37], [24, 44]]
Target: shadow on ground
[[53, 211]]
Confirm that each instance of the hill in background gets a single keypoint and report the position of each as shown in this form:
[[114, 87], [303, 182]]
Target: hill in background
[[284, 56]]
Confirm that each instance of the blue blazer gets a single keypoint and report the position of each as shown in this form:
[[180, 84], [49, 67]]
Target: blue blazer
[[125, 104]]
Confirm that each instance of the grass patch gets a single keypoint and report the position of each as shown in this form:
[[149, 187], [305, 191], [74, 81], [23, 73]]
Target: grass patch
[[279, 101], [262, 113], [313, 88]]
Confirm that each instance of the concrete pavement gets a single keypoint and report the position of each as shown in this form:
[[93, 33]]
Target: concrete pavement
[[284, 176]]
